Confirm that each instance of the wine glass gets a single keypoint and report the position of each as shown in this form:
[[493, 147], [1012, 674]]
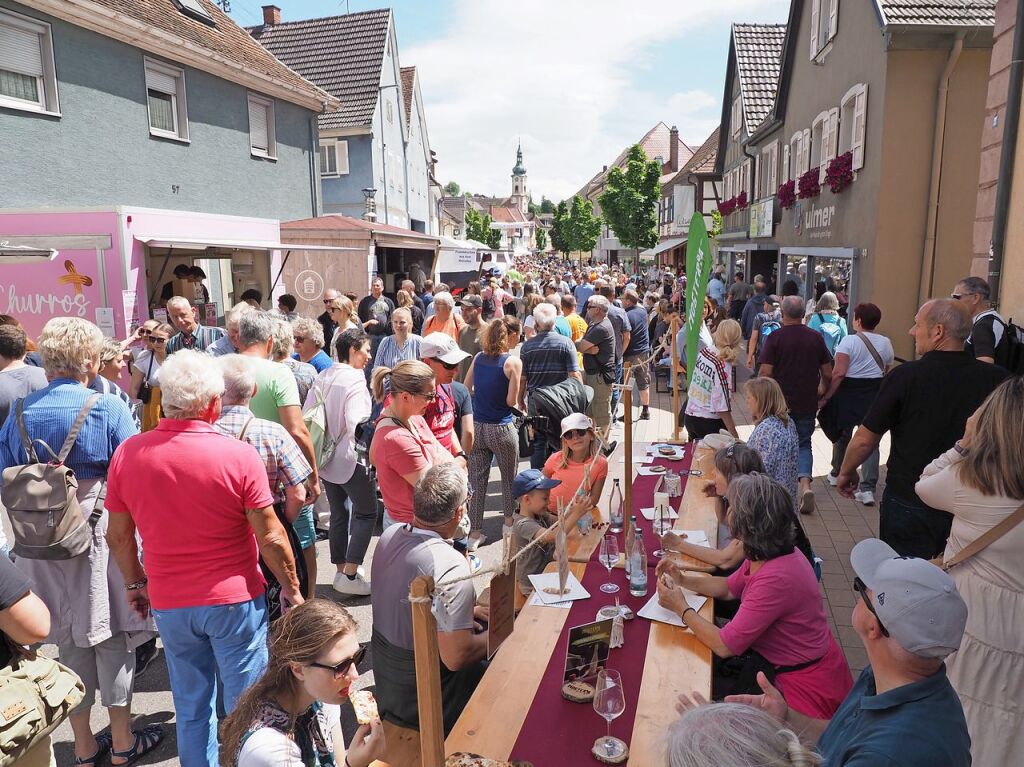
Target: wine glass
[[609, 702], [609, 555], [661, 525]]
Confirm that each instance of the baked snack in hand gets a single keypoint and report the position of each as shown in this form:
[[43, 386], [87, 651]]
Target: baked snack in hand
[[365, 706], [463, 759]]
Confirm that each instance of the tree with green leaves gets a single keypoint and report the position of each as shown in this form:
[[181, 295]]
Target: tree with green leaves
[[584, 227], [542, 239], [493, 237], [559, 225], [452, 189], [475, 228], [546, 206], [630, 201]]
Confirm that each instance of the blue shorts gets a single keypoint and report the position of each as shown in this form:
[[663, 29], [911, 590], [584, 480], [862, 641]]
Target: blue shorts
[[305, 527]]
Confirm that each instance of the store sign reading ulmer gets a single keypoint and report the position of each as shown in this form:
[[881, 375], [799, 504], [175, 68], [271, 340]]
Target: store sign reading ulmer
[[815, 222]]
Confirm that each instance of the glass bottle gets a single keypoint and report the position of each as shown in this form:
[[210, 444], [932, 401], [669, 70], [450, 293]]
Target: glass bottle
[[638, 567], [616, 509], [630, 537]]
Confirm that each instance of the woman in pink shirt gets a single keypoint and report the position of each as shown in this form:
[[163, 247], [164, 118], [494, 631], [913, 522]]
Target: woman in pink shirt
[[403, 446], [780, 627]]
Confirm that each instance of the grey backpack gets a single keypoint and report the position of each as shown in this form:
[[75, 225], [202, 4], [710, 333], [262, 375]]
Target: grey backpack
[[42, 498]]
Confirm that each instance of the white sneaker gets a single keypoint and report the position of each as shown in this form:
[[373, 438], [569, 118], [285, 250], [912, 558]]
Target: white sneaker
[[866, 497], [357, 587], [833, 479]]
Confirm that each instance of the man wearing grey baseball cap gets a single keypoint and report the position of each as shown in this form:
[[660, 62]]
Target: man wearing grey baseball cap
[[902, 711]]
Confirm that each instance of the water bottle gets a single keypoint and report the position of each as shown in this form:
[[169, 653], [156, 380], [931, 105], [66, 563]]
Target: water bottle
[[616, 509], [585, 523], [630, 538], [638, 567]]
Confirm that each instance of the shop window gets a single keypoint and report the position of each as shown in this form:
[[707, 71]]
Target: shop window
[[852, 121], [28, 78], [262, 138], [165, 96], [736, 120], [824, 23]]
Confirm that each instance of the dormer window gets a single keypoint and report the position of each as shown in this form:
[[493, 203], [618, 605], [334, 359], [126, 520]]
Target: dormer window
[[194, 10]]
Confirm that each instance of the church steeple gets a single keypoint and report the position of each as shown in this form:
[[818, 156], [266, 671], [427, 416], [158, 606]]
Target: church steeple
[[519, 169], [520, 196]]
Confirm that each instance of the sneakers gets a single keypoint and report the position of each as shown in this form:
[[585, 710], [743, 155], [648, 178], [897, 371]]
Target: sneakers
[[356, 586], [866, 497], [645, 413], [807, 502], [474, 542], [474, 563], [833, 479]]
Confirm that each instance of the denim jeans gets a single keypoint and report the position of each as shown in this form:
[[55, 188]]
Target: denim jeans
[[616, 393], [805, 430], [911, 527], [202, 645], [868, 469]]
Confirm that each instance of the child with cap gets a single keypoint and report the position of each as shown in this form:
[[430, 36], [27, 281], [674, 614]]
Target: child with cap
[[533, 520]]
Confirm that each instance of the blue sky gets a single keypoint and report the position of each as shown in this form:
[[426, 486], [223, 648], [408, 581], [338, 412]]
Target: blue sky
[[576, 80]]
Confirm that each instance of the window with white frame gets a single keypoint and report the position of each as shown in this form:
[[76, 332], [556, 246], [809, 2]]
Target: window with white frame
[[829, 136], [333, 158], [824, 23], [769, 169], [787, 172], [389, 112], [28, 77], [818, 129], [262, 134], [853, 112], [736, 120], [800, 152], [165, 97]]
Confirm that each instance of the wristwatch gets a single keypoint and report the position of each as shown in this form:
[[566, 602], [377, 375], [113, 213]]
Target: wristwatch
[[461, 454], [959, 448]]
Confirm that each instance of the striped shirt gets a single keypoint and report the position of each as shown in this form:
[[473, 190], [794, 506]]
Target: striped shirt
[[221, 346], [104, 386], [286, 466], [201, 338], [548, 358], [389, 353]]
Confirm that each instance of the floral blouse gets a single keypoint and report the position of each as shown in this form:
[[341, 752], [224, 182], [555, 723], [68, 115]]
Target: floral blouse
[[779, 446]]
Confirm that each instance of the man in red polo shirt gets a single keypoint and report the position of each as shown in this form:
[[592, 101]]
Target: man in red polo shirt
[[202, 505]]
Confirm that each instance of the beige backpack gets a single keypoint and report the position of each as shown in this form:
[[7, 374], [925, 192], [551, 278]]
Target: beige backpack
[[42, 499]]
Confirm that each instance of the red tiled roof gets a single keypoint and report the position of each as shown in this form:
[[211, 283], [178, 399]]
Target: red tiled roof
[[655, 143], [506, 215]]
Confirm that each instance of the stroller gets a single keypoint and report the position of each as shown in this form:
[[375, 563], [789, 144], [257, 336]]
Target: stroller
[[547, 407]]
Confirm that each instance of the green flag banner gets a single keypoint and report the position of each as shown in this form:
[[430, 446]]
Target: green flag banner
[[698, 268]]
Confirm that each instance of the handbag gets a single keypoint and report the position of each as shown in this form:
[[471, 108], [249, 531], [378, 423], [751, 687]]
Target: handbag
[[36, 695], [146, 390], [990, 536]]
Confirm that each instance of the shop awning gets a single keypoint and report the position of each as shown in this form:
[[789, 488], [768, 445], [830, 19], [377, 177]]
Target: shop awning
[[180, 243], [661, 247], [743, 247], [25, 254]]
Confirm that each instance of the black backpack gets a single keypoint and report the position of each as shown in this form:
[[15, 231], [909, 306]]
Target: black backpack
[[1015, 348]]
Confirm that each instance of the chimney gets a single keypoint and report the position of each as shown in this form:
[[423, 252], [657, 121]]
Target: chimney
[[271, 15], [673, 148]]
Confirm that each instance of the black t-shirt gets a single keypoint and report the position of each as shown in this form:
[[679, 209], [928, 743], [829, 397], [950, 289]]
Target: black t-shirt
[[989, 338], [14, 585], [602, 335], [379, 309], [926, 404], [463, 405], [796, 354]]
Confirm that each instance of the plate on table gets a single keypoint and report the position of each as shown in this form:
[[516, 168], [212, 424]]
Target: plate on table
[[668, 452], [651, 471], [653, 611], [549, 581]]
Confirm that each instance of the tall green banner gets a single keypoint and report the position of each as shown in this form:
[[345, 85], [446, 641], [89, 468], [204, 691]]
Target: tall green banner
[[698, 269]]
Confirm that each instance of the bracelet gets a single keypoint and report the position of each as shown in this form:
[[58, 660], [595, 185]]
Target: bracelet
[[461, 454], [137, 585], [682, 615]]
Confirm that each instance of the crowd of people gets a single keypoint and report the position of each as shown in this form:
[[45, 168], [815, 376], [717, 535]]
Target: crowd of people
[[210, 467]]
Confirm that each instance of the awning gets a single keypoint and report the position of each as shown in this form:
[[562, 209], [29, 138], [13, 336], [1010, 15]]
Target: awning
[[181, 243], [452, 244], [25, 254], [743, 247], [661, 247]]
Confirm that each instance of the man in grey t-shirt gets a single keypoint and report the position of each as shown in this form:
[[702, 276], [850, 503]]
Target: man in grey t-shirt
[[423, 548], [17, 379]]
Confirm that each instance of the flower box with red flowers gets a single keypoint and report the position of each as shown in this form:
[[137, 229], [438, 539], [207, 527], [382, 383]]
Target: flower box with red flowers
[[808, 185], [741, 201], [839, 173], [787, 194], [727, 206]]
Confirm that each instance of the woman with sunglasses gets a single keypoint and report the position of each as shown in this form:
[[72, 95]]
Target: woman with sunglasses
[[343, 314], [291, 717], [781, 624], [145, 383], [568, 465], [403, 446]]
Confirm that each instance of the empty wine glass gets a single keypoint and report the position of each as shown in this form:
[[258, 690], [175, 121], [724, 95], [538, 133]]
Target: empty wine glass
[[609, 702], [609, 555], [661, 525]]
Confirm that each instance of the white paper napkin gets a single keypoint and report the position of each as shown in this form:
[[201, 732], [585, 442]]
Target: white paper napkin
[[550, 580], [655, 612]]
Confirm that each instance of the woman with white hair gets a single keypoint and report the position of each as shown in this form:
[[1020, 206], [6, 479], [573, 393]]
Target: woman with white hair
[[826, 320], [281, 351], [95, 631], [444, 320], [309, 343]]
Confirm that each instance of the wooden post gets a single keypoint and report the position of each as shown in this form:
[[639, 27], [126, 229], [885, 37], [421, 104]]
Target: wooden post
[[676, 380], [627, 472], [428, 674]]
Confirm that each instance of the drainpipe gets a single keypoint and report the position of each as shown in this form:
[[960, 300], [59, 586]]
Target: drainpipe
[[931, 225], [1007, 158]]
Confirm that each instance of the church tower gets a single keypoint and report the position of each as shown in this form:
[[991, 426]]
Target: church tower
[[520, 195]]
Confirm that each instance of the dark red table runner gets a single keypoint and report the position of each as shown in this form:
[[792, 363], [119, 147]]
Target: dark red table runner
[[556, 731]]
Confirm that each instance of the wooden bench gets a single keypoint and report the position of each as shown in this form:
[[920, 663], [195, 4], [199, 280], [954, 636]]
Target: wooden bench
[[403, 747]]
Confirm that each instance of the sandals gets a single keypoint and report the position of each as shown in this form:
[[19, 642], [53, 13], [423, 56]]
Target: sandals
[[104, 742], [146, 740]]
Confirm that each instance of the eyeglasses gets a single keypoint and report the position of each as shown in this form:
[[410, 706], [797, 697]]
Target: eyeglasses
[[956, 296], [157, 340], [328, 300], [144, 332], [860, 588], [342, 668], [446, 365], [299, 339], [575, 433]]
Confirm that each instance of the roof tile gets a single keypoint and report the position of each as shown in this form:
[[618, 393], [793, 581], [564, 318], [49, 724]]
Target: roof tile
[[758, 61], [945, 13]]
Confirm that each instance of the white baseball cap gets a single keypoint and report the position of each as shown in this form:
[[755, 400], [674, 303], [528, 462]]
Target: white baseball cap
[[441, 346], [576, 421]]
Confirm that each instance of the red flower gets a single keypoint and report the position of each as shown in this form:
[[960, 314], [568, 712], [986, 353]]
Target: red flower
[[808, 184], [839, 173], [787, 194]]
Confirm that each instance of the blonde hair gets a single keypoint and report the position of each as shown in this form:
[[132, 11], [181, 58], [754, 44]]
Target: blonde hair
[[404, 298], [344, 303], [564, 463], [410, 376], [110, 351], [995, 458], [768, 399], [68, 346], [728, 338], [494, 337], [299, 636]]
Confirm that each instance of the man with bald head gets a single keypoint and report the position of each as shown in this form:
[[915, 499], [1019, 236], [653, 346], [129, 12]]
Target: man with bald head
[[925, 404]]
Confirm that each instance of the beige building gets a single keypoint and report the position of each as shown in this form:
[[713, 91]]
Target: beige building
[[882, 100]]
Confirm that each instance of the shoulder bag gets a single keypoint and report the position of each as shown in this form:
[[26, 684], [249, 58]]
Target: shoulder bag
[[990, 536], [872, 351], [146, 390]]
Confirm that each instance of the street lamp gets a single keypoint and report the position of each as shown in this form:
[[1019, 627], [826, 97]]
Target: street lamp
[[370, 209]]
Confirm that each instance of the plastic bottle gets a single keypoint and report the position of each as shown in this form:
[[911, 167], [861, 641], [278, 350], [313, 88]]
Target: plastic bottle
[[616, 509], [638, 567], [630, 537]]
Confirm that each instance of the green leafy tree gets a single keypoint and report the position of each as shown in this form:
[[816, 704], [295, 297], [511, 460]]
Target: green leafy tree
[[452, 189], [546, 206], [542, 239], [584, 227], [559, 225], [630, 201], [475, 227], [493, 236], [716, 223]]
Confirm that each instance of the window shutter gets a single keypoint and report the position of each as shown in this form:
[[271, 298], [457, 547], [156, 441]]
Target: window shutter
[[161, 81], [21, 52], [258, 135], [805, 151], [342, 150], [833, 18], [786, 174], [815, 15], [860, 113]]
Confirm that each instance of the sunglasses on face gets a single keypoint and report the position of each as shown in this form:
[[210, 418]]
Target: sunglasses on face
[[446, 365], [576, 433], [157, 340], [860, 588], [299, 339], [144, 332], [342, 668], [428, 396]]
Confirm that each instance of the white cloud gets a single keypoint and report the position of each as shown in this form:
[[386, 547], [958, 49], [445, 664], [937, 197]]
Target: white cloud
[[567, 77]]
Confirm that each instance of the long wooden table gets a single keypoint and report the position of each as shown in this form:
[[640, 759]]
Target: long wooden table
[[675, 660]]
